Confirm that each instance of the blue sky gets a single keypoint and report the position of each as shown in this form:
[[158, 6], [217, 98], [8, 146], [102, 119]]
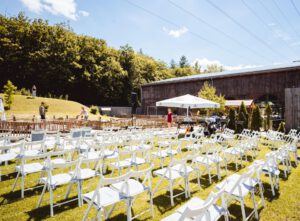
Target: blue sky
[[235, 33]]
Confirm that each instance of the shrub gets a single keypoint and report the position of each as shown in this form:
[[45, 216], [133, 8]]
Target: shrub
[[94, 109], [268, 112], [243, 116], [24, 91], [9, 91], [281, 127], [256, 121], [231, 123]]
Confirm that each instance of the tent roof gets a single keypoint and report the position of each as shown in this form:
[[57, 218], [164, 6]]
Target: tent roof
[[187, 101], [236, 103]]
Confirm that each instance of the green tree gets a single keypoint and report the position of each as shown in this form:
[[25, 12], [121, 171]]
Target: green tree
[[213, 68], [256, 121], [281, 127], [183, 62], [242, 116], [231, 123], [197, 67], [173, 64], [9, 91], [268, 112], [210, 93]]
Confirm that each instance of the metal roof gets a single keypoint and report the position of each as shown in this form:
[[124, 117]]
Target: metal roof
[[258, 70]]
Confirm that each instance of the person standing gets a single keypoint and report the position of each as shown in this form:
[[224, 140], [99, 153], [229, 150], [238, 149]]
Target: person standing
[[42, 111], [84, 113], [169, 117]]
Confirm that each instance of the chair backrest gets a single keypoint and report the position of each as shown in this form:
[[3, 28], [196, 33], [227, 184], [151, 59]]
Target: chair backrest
[[200, 212], [37, 135], [75, 133], [12, 147]]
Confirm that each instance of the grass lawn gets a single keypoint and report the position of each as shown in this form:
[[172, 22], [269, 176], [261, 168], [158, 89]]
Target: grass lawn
[[284, 206], [25, 107]]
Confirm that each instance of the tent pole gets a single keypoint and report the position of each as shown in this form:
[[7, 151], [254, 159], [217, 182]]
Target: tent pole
[[187, 112]]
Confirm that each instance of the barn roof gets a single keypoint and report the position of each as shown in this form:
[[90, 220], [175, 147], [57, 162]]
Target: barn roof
[[248, 71]]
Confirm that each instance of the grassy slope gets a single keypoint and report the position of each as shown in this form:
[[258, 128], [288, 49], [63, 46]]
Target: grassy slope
[[26, 107]]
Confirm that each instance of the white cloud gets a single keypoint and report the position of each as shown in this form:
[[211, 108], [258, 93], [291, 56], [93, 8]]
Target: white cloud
[[272, 24], [33, 5], [176, 33], [83, 13], [66, 8], [204, 62]]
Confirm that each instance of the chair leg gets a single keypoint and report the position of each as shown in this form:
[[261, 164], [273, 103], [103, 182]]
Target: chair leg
[[51, 202], [171, 193], [151, 204], [243, 209], [254, 205], [41, 197], [15, 183], [129, 215], [22, 186], [68, 190], [272, 185]]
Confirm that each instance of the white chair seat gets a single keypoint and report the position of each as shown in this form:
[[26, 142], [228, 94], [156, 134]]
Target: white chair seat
[[134, 188], [180, 169], [29, 153], [30, 168], [138, 161], [146, 146], [194, 146], [85, 173], [7, 157], [122, 163], [58, 161], [234, 151], [58, 179], [204, 160], [160, 154], [215, 211], [107, 195], [110, 154], [173, 175], [91, 155], [131, 148]]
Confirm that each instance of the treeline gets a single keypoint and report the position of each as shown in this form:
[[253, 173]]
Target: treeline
[[86, 69]]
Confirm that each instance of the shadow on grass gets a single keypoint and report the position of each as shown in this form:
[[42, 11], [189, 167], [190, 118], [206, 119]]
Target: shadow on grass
[[43, 212], [163, 201], [15, 196], [236, 212]]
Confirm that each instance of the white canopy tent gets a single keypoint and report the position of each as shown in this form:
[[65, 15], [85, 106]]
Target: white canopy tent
[[187, 101]]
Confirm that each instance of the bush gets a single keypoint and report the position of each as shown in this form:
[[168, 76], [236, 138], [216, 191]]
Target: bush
[[256, 121], [9, 91], [24, 91], [281, 127], [243, 116], [231, 124], [268, 112], [94, 110]]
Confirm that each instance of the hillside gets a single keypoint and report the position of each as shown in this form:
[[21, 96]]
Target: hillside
[[25, 107]]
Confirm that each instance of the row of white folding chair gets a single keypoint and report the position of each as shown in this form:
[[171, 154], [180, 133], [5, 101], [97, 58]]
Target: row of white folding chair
[[28, 164], [111, 191], [198, 209], [69, 173], [210, 157], [5, 138], [177, 172], [237, 187]]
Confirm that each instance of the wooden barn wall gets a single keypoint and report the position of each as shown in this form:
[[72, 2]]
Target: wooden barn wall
[[237, 87]]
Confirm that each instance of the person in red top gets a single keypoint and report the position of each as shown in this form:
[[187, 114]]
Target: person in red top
[[169, 118]]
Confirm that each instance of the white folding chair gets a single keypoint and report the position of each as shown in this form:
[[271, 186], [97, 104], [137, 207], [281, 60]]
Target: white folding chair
[[105, 196], [9, 152], [54, 180], [198, 209], [134, 188], [237, 187]]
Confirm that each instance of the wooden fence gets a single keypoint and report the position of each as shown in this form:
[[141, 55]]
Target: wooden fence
[[21, 127]]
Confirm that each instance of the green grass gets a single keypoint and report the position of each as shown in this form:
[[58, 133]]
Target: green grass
[[284, 206], [25, 107]]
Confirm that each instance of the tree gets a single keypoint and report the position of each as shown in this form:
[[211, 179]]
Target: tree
[[281, 127], [9, 91], [173, 64], [242, 116], [183, 62], [268, 112], [197, 67], [210, 93], [256, 121], [231, 123], [213, 68]]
